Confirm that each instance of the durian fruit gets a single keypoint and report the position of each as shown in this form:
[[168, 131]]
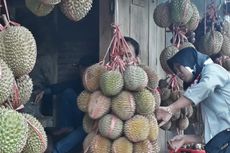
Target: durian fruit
[[83, 100], [39, 8], [89, 124], [2, 46], [51, 2], [87, 141], [226, 28], [123, 105], [166, 54], [181, 11], [166, 126], [165, 93], [76, 9], [37, 139], [212, 42], [122, 145], [163, 83], [91, 77], [157, 97], [166, 102], [156, 147], [95, 143], [110, 126], [175, 94], [183, 123], [13, 131], [154, 128], [25, 86], [185, 45], [161, 15], [98, 105], [153, 77], [226, 64], [135, 78], [137, 128], [193, 23], [6, 81], [225, 48], [143, 147], [20, 50], [111, 83], [145, 102], [176, 115]]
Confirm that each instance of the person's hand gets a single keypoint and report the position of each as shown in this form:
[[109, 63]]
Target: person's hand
[[39, 97], [176, 142], [163, 114]]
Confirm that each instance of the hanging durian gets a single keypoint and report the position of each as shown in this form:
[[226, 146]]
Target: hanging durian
[[76, 9]]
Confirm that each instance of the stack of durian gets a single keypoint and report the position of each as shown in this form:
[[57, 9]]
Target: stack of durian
[[119, 109], [20, 132], [74, 10]]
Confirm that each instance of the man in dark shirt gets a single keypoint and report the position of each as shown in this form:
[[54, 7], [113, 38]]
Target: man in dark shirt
[[68, 116]]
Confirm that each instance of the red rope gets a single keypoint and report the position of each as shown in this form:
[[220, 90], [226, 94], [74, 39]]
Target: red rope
[[179, 35], [174, 83], [119, 52]]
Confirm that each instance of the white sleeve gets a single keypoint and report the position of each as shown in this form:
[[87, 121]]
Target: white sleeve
[[212, 77]]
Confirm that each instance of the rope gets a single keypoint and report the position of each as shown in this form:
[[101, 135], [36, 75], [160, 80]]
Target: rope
[[119, 52]]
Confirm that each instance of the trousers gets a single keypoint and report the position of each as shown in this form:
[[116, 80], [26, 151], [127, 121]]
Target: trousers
[[220, 143]]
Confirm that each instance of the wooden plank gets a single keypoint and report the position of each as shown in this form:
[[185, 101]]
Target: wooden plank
[[105, 30], [139, 29], [156, 41], [141, 3], [152, 38], [123, 16]]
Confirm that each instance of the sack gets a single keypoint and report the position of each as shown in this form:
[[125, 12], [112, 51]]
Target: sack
[[220, 143]]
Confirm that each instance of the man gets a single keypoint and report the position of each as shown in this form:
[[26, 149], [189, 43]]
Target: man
[[69, 117]]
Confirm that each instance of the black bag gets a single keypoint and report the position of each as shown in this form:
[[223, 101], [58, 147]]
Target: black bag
[[220, 143]]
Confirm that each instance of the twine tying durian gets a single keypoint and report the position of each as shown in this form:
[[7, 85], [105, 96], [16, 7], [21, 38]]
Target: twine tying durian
[[119, 52]]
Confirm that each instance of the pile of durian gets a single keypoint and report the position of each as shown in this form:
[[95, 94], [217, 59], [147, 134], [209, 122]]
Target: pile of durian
[[19, 132], [119, 107], [74, 10]]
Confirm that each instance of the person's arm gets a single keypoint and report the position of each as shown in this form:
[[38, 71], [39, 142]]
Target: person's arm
[[164, 114], [178, 141], [213, 76]]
